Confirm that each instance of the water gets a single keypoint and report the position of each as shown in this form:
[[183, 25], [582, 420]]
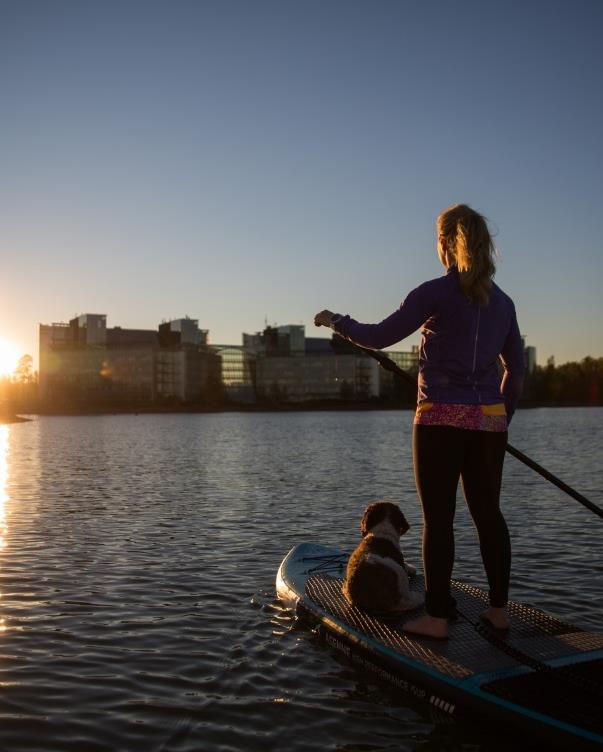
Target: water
[[138, 560]]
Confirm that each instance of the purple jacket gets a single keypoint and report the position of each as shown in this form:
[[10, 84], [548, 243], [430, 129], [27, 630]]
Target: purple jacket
[[461, 343]]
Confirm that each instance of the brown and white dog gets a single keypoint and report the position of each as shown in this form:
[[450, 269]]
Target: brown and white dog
[[377, 577]]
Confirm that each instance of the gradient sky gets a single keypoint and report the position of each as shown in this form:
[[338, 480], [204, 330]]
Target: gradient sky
[[243, 161]]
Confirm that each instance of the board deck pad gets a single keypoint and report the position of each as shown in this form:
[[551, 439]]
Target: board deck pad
[[571, 693], [540, 635], [543, 678]]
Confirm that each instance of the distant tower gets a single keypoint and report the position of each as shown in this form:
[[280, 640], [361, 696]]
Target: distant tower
[[529, 356]]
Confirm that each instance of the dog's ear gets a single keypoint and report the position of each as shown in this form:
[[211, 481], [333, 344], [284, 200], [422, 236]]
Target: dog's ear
[[364, 522], [373, 514], [400, 522]]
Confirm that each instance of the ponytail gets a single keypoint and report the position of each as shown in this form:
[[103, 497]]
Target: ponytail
[[469, 243]]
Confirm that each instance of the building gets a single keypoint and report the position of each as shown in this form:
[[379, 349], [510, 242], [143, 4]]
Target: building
[[529, 357], [84, 362], [187, 369], [392, 387], [290, 367], [73, 358], [288, 340], [237, 367]]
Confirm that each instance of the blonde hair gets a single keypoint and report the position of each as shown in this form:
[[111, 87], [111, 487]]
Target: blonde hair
[[469, 243]]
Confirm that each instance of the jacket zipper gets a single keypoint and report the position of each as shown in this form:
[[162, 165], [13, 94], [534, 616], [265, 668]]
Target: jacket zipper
[[479, 310]]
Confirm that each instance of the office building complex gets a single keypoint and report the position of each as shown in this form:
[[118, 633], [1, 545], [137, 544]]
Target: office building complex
[[287, 373], [86, 362]]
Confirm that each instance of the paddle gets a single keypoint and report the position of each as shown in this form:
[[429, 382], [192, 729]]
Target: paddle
[[389, 365]]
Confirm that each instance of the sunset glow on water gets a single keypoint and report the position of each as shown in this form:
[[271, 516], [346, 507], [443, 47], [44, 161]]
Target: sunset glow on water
[[3, 481]]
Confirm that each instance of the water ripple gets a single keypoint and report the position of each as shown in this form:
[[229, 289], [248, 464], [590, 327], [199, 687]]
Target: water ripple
[[137, 565]]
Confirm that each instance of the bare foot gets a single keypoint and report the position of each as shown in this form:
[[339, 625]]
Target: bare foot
[[497, 617], [428, 626]]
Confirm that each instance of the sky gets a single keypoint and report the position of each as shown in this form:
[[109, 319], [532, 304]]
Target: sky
[[250, 162]]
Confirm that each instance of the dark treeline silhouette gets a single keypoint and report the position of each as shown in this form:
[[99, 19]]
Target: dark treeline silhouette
[[19, 392], [571, 383]]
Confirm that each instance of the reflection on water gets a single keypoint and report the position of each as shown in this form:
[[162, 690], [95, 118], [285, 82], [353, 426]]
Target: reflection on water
[[3, 496], [3, 481], [138, 577]]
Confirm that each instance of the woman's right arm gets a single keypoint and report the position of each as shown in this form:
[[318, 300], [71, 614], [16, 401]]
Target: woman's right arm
[[413, 313]]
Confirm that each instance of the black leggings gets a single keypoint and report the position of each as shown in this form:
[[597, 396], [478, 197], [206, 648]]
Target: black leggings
[[442, 455]]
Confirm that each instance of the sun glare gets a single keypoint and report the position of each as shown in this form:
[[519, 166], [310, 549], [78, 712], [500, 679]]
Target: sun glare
[[9, 355]]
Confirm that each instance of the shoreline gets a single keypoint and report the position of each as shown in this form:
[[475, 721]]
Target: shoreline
[[234, 408], [247, 408], [6, 420]]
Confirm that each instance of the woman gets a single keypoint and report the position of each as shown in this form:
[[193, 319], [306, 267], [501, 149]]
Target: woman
[[467, 324]]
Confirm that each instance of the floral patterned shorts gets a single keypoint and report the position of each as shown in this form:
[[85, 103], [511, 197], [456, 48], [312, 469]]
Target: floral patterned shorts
[[471, 417]]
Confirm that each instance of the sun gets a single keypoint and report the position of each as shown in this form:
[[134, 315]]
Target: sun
[[9, 355]]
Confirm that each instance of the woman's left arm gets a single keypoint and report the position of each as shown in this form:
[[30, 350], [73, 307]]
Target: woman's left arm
[[513, 363]]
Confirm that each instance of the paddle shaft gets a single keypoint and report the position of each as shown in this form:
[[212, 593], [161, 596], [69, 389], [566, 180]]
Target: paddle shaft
[[389, 365]]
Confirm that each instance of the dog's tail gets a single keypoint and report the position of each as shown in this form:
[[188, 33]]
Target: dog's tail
[[346, 593]]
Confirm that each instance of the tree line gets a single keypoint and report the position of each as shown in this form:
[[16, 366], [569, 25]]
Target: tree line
[[19, 390], [570, 383]]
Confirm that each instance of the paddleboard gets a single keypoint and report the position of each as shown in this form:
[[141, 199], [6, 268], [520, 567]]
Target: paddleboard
[[543, 679]]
